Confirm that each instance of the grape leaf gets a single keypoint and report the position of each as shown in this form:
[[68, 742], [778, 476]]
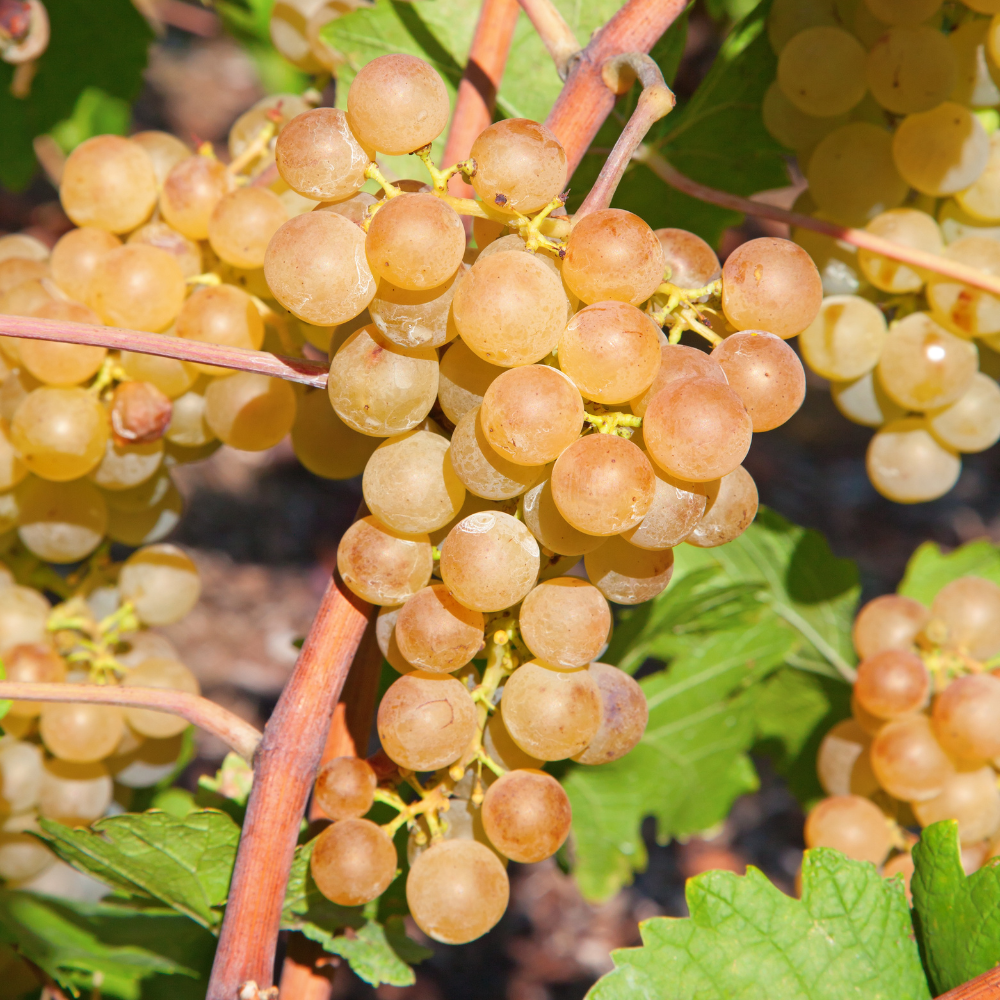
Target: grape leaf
[[849, 936], [957, 917], [94, 43], [929, 569]]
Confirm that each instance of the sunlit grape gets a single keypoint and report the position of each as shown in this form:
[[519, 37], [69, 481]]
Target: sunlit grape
[[169, 675], [242, 224], [967, 311], [188, 427], [436, 633], [345, 788], [60, 434], [822, 71], [906, 464], [220, 314], [678, 361], [565, 622], [624, 714], [941, 151], [127, 465], [552, 530], [61, 522], [981, 200], [908, 761], [464, 379], [971, 798], [972, 422], [891, 621], [907, 227], [353, 862], [319, 156], [383, 566], [31, 663], [846, 339], [75, 794], [159, 234], [864, 401], [731, 508], [81, 733], [190, 193], [164, 150], [627, 574], [893, 682], [75, 257], [161, 582], [843, 762], [323, 443], [526, 815], [852, 825], [417, 318], [969, 607], [484, 471], [250, 411], [137, 287]]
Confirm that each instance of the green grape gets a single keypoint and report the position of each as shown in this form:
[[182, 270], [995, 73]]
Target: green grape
[[822, 71], [787, 18], [966, 311], [942, 151]]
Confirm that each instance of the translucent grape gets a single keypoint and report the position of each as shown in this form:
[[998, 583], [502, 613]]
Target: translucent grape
[[613, 254], [911, 68], [852, 173], [75, 257], [20, 774], [941, 151], [62, 364], [966, 311], [731, 508], [220, 314], [552, 530], [908, 761], [15, 271], [108, 182], [353, 862], [907, 227], [31, 663], [315, 265], [161, 582], [144, 527], [891, 621], [489, 561], [964, 718], [510, 308], [23, 614], [843, 763], [902, 11], [678, 361], [165, 151], [565, 622], [345, 788], [383, 566], [677, 508], [852, 825], [127, 465], [417, 318], [159, 234], [624, 714], [323, 443], [169, 675], [60, 434], [974, 86], [792, 127], [971, 798], [378, 388], [864, 401], [551, 714], [61, 522], [464, 379], [603, 484], [846, 339], [138, 287], [354, 208], [893, 682], [526, 815], [188, 427], [627, 574], [79, 732], [906, 464], [970, 610], [972, 422], [484, 471], [190, 193], [249, 411], [21, 300], [385, 635], [242, 224], [397, 104], [22, 856], [836, 260], [689, 262], [981, 200], [426, 721], [923, 366], [75, 794], [457, 890], [437, 634], [822, 71], [173, 378], [318, 155], [520, 165]]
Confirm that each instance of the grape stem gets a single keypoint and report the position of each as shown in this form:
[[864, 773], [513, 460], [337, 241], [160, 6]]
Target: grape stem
[[859, 238], [238, 735], [440, 178], [556, 35], [611, 421], [255, 148]]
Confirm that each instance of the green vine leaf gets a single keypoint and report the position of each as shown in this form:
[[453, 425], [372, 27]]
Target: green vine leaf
[[849, 936], [929, 569]]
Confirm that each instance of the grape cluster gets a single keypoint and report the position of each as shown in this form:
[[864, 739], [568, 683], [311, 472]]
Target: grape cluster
[[890, 106], [922, 744], [72, 762]]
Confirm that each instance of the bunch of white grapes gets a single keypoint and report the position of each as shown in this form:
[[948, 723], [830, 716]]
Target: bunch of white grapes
[[923, 744], [891, 108], [77, 762]]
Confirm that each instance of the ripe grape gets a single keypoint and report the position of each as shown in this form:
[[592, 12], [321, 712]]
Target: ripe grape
[[385, 636], [137, 528], [250, 411], [688, 261], [354, 208], [426, 720], [551, 529], [127, 465], [316, 268], [23, 615], [31, 663], [173, 378], [165, 151], [22, 856], [970, 608], [510, 308], [21, 300], [353, 861], [520, 166], [108, 182], [613, 254], [484, 471], [137, 287], [530, 415], [627, 574], [677, 508], [220, 314], [161, 582], [75, 258], [964, 718], [565, 622], [902, 11], [974, 86], [79, 732], [906, 464], [12, 469], [464, 379], [794, 128], [417, 318], [15, 271], [380, 389], [603, 484], [60, 433], [75, 794], [22, 246], [968, 312], [169, 675], [345, 788], [188, 427], [942, 151], [981, 200], [319, 156], [489, 561], [971, 798], [911, 68], [61, 522], [891, 621], [437, 634], [864, 401], [159, 234], [893, 682], [972, 422], [190, 193], [731, 508], [624, 714], [21, 770], [906, 227], [908, 761], [323, 443], [497, 742], [62, 364], [678, 361], [843, 764], [852, 825], [457, 890], [526, 815], [846, 338], [822, 71], [380, 565], [242, 224], [787, 18]]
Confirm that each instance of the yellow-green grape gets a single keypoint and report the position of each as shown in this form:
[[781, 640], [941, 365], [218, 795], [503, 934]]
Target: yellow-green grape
[[166, 675], [15, 271], [249, 411], [520, 166], [974, 85], [677, 508], [864, 401], [353, 861], [188, 426], [161, 582], [220, 314], [907, 227], [903, 11], [846, 339], [969, 797], [173, 378], [731, 508], [62, 364], [836, 261], [397, 104], [852, 173], [623, 717], [410, 485], [981, 200], [380, 389], [138, 287], [151, 524], [626, 574], [436, 633], [190, 193], [108, 182], [967, 311], [81, 733], [164, 150], [319, 156], [28, 663], [60, 434], [551, 529], [75, 794], [911, 69], [127, 465], [942, 151], [906, 464], [242, 224], [316, 268], [383, 566], [141, 497], [323, 443], [75, 257], [822, 71], [791, 126], [62, 522], [416, 318], [464, 379], [159, 234], [565, 622], [923, 366], [510, 308], [972, 422]]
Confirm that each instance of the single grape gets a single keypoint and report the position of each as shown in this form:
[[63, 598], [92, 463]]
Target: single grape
[[21, 770], [907, 227], [249, 411], [62, 364], [731, 508], [32, 663], [974, 85], [417, 318], [173, 378], [169, 675], [383, 566], [15, 271], [190, 193], [108, 182], [159, 234], [843, 761], [426, 720], [676, 511], [75, 257], [565, 622], [318, 155], [821, 70], [353, 861], [61, 522], [74, 794], [892, 683], [138, 287], [188, 427], [464, 379], [242, 224], [969, 607], [864, 401], [510, 309], [678, 361], [853, 825], [981, 199], [891, 621], [22, 856], [21, 300], [220, 314], [323, 443], [551, 529], [971, 798], [127, 465], [911, 68], [964, 718], [161, 582], [355, 208], [437, 634], [345, 788], [906, 464], [966, 311], [902, 11], [627, 574], [140, 414], [144, 527], [489, 561], [526, 815], [846, 339], [23, 615], [385, 636], [689, 262], [79, 732], [908, 760], [942, 151], [165, 151], [972, 422], [792, 127], [60, 434], [624, 714]]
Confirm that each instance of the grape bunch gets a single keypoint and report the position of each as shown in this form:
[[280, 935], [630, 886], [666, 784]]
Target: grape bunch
[[73, 762], [922, 744], [891, 109]]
